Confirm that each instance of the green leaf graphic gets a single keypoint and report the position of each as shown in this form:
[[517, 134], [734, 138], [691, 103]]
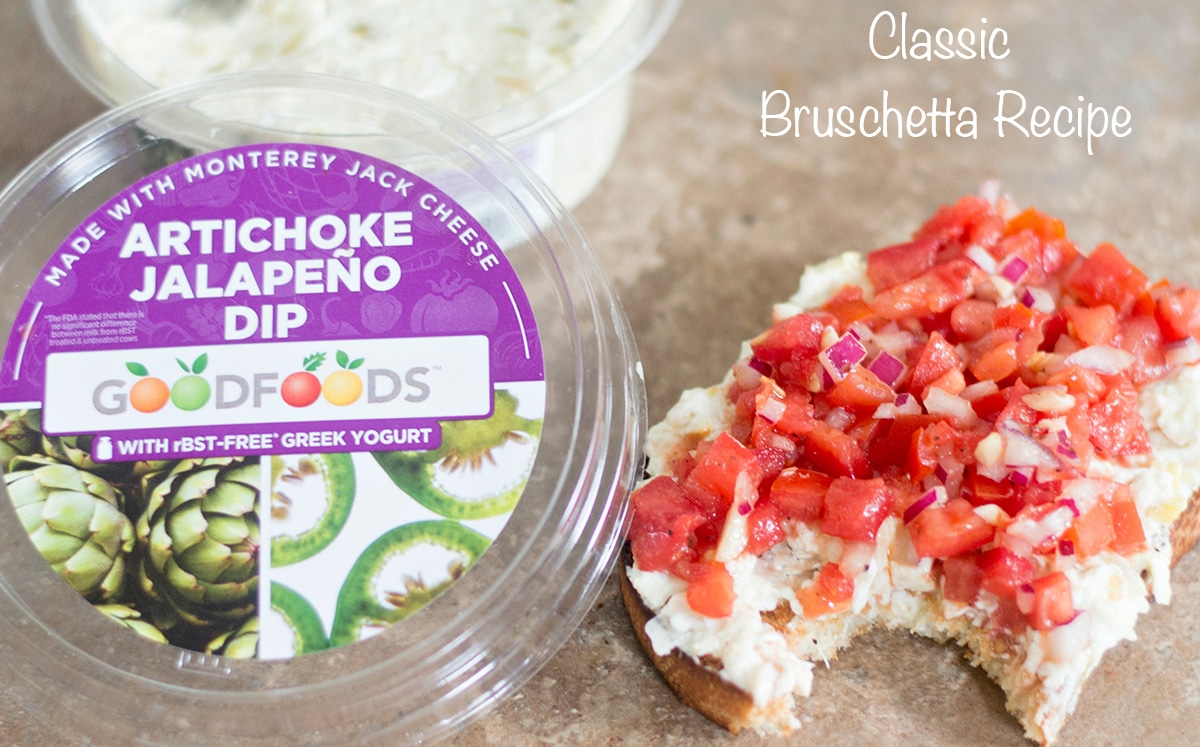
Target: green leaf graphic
[[200, 364], [342, 359], [183, 365], [355, 364], [137, 369]]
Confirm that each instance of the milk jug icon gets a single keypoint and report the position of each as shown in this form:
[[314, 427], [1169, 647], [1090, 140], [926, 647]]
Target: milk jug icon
[[102, 450]]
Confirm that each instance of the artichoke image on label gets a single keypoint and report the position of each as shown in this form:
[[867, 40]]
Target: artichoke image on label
[[382, 588], [132, 619], [75, 520], [300, 618], [466, 455], [311, 498], [198, 541], [20, 434], [240, 643]]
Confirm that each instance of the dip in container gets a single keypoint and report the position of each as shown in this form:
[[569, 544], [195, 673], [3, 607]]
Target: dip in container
[[549, 79], [317, 420]]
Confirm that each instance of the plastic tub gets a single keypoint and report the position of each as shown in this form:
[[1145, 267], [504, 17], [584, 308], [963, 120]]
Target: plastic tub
[[568, 128], [154, 239]]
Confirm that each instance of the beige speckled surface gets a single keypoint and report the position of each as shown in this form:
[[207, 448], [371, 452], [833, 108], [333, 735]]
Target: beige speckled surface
[[702, 222]]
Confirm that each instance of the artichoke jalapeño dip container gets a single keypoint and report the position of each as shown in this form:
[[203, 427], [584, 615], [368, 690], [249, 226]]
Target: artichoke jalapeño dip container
[[298, 447], [551, 80]]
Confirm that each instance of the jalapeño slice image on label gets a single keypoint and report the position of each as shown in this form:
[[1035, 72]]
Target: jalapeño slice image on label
[[242, 378]]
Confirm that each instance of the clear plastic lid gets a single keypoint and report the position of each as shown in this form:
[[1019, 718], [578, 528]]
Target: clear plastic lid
[[319, 257]]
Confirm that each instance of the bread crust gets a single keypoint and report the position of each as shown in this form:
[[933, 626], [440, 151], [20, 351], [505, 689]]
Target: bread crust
[[701, 688]]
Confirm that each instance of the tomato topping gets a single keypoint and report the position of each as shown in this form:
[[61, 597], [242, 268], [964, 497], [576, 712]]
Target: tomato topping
[[797, 336], [946, 401], [860, 390], [1106, 277], [1128, 535], [834, 452], [664, 520], [717, 471], [854, 509], [710, 592], [1178, 313], [1116, 424], [961, 579], [946, 531], [1092, 531], [1004, 572], [936, 358], [800, 493], [893, 265], [829, 592], [1052, 605]]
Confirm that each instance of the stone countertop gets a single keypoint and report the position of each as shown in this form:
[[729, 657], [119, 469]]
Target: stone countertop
[[703, 221]]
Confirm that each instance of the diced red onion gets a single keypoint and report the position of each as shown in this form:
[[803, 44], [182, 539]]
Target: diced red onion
[[940, 402], [1021, 477], [887, 367], [1025, 596], [940, 473], [979, 389], [746, 375], [772, 410], [759, 365], [1022, 451], [1038, 299], [980, 256], [902, 399], [1014, 269], [1182, 353], [894, 340], [842, 355], [1101, 358], [744, 509], [1069, 503], [925, 501]]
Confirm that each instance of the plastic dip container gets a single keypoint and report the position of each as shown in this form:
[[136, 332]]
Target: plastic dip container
[[317, 414], [550, 80]]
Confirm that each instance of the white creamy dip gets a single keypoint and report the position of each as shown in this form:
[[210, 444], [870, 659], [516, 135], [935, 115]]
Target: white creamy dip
[[471, 57], [1109, 591]]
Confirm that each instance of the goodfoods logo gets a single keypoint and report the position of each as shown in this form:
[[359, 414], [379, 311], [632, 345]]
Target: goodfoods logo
[[427, 378]]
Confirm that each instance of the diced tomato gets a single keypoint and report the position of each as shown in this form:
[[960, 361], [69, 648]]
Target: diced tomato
[[1128, 535], [1095, 325], [997, 363], [797, 418], [764, 527], [664, 520], [860, 390], [936, 358], [1141, 337], [829, 592], [1092, 531], [961, 579], [1081, 383], [848, 306], [972, 319], [854, 509], [891, 443], [797, 336], [835, 453], [710, 593], [980, 491], [1004, 572], [1116, 423], [1043, 226], [895, 264], [946, 531], [717, 470], [1016, 410], [1106, 277], [934, 292], [1178, 313], [970, 220], [936, 444], [800, 493], [1052, 605]]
